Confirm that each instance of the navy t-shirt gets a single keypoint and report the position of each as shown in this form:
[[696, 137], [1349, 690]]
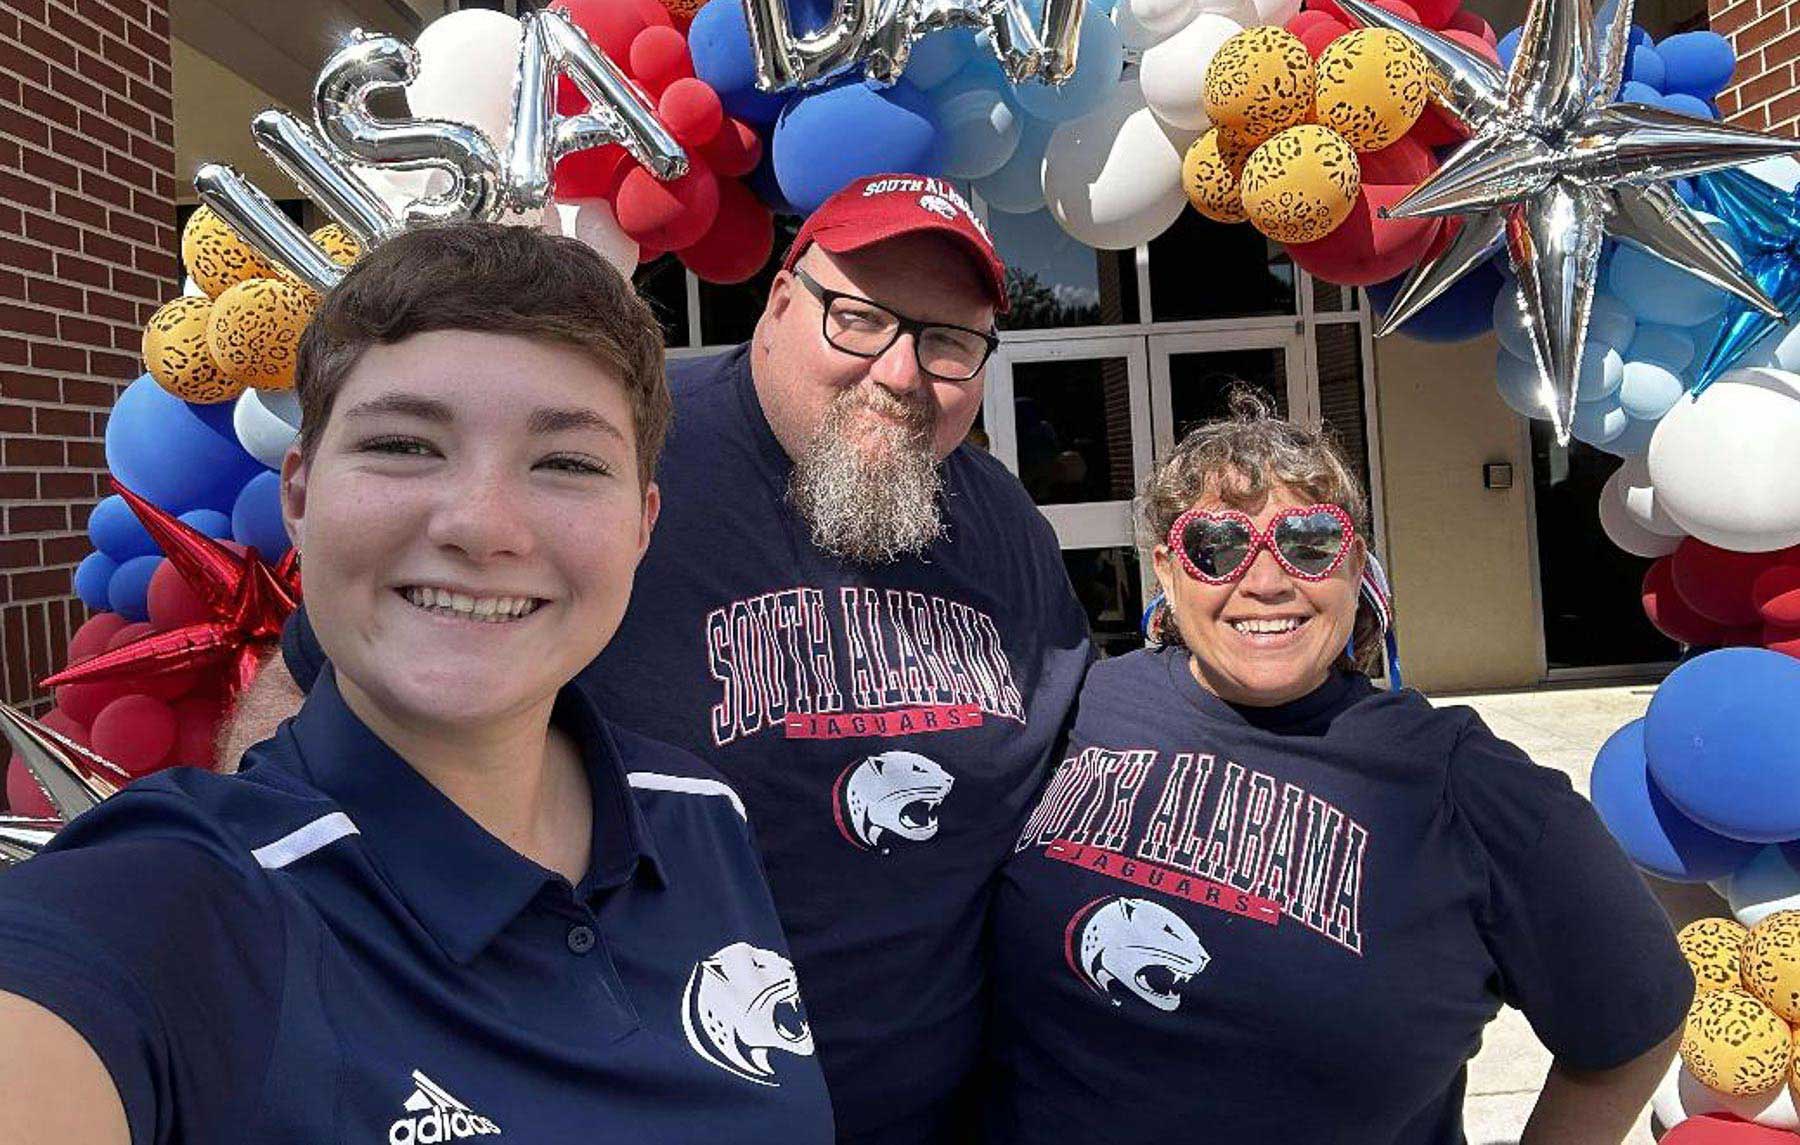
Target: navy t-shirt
[[887, 727], [325, 948], [1291, 924]]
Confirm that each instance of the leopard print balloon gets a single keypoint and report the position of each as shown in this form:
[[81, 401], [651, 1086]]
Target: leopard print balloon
[[176, 354], [1211, 172], [1372, 87], [255, 330], [1772, 963], [339, 245], [217, 257], [1736, 1045], [1714, 948], [1260, 82], [1301, 184]]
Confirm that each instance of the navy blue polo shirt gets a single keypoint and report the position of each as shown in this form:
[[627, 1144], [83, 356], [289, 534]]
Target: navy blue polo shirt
[[887, 726], [325, 948], [1291, 924]]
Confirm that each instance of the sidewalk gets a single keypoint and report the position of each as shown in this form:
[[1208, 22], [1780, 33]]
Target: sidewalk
[[1560, 728]]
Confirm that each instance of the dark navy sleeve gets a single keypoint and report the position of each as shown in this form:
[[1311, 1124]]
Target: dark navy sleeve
[[300, 649], [1580, 944], [164, 959]]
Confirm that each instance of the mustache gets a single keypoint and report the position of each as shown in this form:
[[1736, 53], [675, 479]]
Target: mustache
[[914, 411]]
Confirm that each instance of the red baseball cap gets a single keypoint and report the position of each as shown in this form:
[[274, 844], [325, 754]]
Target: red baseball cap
[[881, 207]]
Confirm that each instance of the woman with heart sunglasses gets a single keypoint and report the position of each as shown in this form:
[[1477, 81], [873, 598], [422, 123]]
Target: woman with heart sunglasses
[[1263, 900]]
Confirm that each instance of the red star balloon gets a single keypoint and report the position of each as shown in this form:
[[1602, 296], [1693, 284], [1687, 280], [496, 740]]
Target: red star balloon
[[249, 600]]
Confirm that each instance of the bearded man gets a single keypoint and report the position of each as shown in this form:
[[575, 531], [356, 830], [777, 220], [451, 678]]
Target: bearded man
[[864, 624]]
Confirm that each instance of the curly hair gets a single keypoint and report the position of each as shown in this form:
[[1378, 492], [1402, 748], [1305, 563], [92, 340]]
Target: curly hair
[[1239, 459]]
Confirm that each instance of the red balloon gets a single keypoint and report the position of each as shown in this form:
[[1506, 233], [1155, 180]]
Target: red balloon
[[1365, 248], [1468, 22], [1438, 13], [197, 722], [691, 110], [1309, 18], [1330, 8], [23, 795], [740, 241], [659, 57], [1711, 1129], [610, 24], [172, 603], [1670, 614], [1716, 582], [136, 732], [1318, 35], [1776, 590], [90, 639], [1435, 127], [669, 215], [1782, 638], [85, 701], [58, 720], [734, 151], [163, 685], [593, 173]]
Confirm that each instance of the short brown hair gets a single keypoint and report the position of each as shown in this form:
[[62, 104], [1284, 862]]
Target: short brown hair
[[493, 278], [1239, 459]]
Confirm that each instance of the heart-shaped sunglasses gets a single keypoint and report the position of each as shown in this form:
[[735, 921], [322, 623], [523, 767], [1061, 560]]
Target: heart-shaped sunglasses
[[1217, 546]]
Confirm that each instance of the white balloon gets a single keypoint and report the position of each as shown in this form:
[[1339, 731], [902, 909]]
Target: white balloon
[[1764, 885], [191, 289], [1681, 1096], [1617, 523], [398, 189], [592, 222], [467, 62], [1113, 177], [1781, 171], [1638, 498], [1161, 17], [1276, 11], [284, 404], [1133, 35], [263, 435], [1726, 464], [1173, 72]]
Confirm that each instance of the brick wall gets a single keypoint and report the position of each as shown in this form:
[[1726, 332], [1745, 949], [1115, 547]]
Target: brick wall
[[87, 213], [1765, 34]]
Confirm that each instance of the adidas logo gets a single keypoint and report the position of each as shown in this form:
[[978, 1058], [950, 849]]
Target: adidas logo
[[436, 1117]]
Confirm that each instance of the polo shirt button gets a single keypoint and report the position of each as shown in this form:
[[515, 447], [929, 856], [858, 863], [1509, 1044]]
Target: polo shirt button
[[581, 939]]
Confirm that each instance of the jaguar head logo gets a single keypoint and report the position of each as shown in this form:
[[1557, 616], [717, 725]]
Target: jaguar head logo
[[741, 1005], [896, 793], [1135, 943]]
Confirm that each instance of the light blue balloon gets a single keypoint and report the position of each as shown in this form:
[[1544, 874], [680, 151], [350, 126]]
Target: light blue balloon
[[1602, 372], [939, 55], [1520, 386], [1632, 441], [1612, 322], [1648, 390], [1659, 292], [1509, 323], [1666, 346], [1101, 56], [1688, 105], [92, 577], [115, 530], [1017, 188], [826, 139], [1506, 48], [1598, 422], [980, 129]]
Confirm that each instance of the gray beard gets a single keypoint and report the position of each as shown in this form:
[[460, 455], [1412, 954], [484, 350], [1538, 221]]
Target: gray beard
[[876, 500]]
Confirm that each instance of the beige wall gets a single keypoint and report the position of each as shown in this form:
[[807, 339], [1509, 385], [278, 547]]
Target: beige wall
[[1460, 555], [213, 106]]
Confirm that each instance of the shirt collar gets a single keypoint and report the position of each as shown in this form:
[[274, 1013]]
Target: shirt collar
[[461, 883]]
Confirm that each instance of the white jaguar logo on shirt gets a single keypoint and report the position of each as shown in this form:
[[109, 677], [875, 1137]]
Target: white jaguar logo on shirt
[[1144, 946], [739, 1005], [895, 793]]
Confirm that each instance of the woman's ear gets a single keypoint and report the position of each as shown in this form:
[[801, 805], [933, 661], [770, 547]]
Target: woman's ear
[[1164, 563], [294, 467]]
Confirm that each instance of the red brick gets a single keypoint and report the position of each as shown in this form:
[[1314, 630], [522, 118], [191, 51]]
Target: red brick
[[110, 365], [38, 101], [18, 486], [1783, 49], [128, 338], [104, 74], [151, 99], [131, 227], [10, 89], [18, 189], [77, 89], [66, 550], [129, 170], [49, 292], [164, 185], [1762, 88], [29, 387], [45, 356], [84, 270], [72, 146], [15, 60], [1732, 17], [48, 45], [98, 185], [37, 642], [84, 331], [1729, 103], [102, 15], [12, 637], [12, 284], [112, 306], [126, 113], [20, 552], [124, 56], [28, 130], [86, 454], [147, 42], [124, 282], [66, 486], [159, 21], [80, 33], [29, 320], [15, 419], [71, 206], [106, 247], [39, 585], [81, 392], [12, 220], [157, 263], [37, 518], [49, 168], [105, 130], [14, 352], [30, 10], [1760, 31], [15, 252], [53, 232], [155, 154], [31, 452]]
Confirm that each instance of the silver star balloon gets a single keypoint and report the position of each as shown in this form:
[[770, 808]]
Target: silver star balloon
[[1552, 167], [71, 777]]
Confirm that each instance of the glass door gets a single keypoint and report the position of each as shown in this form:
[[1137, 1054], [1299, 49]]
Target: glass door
[[1192, 374]]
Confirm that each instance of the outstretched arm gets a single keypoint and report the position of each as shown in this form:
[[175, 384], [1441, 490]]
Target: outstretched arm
[[271, 697], [54, 1087], [1589, 1107]]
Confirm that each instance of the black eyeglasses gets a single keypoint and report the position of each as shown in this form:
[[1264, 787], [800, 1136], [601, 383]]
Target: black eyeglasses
[[866, 329]]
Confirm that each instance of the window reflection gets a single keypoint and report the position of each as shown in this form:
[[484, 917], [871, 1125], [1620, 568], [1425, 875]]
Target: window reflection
[[1106, 582], [728, 314], [1055, 281], [1073, 420], [663, 283], [1200, 383], [1339, 353], [1203, 269]]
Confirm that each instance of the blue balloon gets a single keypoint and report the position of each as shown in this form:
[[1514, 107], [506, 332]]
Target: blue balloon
[[1633, 440], [767, 188], [256, 518], [939, 55], [846, 132], [1612, 323], [129, 587], [1720, 735], [1697, 63], [116, 531], [92, 576], [1645, 67], [719, 40], [1688, 105], [1655, 836], [1687, 193], [1509, 324], [1659, 292], [1598, 422], [1648, 390], [210, 521], [1018, 186], [1602, 372], [1670, 347], [1507, 47], [1464, 311], [1102, 56], [1638, 37], [1520, 386], [979, 127], [1634, 92], [161, 450]]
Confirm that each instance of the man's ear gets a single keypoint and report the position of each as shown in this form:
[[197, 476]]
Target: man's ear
[[294, 467]]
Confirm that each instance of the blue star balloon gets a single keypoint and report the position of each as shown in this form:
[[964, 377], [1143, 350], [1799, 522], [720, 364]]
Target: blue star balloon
[[1767, 220]]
